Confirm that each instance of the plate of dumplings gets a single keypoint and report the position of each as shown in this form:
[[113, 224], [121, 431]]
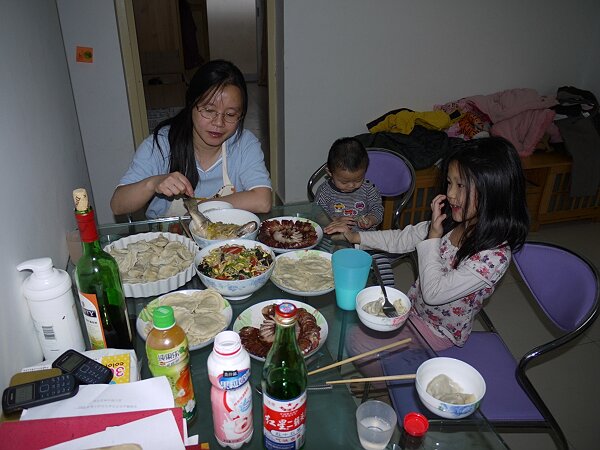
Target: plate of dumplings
[[153, 263]]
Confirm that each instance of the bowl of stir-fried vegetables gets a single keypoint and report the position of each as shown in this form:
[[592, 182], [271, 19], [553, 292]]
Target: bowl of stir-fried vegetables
[[235, 268]]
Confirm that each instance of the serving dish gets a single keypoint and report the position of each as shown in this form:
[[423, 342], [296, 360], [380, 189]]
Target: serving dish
[[143, 323], [253, 317], [227, 216], [291, 239], [161, 286], [234, 290], [298, 256]]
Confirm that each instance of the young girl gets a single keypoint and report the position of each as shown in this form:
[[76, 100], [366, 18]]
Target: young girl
[[350, 201], [203, 151], [466, 247]]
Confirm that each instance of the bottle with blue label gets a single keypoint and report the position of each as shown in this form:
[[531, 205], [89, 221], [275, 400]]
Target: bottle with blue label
[[231, 394]]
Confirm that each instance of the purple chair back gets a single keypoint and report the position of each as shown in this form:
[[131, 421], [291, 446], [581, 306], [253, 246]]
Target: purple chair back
[[389, 173], [564, 284]]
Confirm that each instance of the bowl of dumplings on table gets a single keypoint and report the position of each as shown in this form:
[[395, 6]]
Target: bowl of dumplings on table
[[153, 263], [449, 388]]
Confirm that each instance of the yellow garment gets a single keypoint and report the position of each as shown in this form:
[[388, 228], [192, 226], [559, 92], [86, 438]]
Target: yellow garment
[[405, 121]]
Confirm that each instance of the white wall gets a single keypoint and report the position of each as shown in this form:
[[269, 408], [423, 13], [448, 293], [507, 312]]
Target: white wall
[[100, 95], [42, 162], [347, 62], [232, 33]]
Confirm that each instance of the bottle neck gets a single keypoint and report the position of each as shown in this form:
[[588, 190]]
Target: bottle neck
[[87, 227], [285, 334]]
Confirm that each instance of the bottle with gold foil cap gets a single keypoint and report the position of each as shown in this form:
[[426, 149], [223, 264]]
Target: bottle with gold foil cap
[[99, 284]]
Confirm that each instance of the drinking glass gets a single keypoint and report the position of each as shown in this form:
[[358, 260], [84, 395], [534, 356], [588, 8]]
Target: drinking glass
[[350, 273], [375, 422]]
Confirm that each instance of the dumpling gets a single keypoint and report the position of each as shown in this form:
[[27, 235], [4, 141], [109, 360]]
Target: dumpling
[[445, 389]]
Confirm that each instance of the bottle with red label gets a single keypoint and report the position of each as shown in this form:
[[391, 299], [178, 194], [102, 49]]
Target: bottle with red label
[[284, 380], [231, 393], [99, 285]]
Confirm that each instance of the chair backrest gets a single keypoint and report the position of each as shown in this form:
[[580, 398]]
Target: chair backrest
[[564, 283], [391, 172]]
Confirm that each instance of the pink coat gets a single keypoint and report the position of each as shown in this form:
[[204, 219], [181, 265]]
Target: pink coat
[[521, 116]]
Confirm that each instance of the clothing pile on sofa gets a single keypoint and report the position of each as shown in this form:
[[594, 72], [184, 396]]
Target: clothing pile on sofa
[[521, 116]]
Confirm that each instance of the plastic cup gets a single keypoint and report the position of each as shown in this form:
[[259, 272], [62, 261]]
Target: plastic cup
[[350, 273], [375, 422]]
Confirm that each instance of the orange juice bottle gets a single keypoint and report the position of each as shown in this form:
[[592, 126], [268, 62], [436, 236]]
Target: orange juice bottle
[[168, 355]]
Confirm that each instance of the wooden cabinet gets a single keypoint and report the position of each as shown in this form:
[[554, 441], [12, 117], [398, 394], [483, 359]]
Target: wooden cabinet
[[548, 176]]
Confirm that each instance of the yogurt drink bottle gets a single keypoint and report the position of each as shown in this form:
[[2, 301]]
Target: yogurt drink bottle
[[231, 394]]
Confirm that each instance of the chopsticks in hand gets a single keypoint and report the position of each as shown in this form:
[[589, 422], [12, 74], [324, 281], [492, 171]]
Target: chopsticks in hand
[[362, 355]]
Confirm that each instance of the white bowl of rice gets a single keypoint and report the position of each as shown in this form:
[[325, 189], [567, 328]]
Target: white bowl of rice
[[369, 303]]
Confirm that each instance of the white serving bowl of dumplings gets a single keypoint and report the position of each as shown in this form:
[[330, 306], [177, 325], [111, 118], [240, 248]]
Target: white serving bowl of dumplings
[[228, 216], [169, 283], [464, 375]]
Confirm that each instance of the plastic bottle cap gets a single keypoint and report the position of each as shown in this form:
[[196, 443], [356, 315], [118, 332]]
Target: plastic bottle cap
[[416, 424], [163, 318]]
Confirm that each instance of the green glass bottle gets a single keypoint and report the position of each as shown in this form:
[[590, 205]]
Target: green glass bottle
[[284, 380], [99, 285]]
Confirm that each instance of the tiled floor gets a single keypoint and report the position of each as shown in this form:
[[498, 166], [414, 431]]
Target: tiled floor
[[569, 382]]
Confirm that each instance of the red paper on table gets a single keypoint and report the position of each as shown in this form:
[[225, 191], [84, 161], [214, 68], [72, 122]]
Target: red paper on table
[[36, 434]]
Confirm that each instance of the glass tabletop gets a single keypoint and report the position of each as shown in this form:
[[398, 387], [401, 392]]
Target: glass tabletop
[[331, 421]]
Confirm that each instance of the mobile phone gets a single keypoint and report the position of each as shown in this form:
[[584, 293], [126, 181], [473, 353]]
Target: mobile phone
[[40, 392], [84, 369]]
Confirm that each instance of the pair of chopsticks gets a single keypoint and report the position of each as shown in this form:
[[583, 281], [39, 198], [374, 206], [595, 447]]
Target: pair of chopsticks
[[362, 355]]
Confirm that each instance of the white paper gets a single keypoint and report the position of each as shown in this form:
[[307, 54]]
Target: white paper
[[157, 432], [153, 393]]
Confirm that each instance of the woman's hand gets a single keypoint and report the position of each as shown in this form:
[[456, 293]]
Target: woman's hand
[[436, 230], [173, 184], [340, 225]]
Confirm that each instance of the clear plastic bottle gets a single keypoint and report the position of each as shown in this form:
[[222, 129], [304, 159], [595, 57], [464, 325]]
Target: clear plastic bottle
[[231, 393], [168, 355], [284, 380]]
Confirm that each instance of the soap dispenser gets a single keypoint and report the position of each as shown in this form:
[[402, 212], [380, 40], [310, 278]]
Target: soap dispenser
[[50, 298]]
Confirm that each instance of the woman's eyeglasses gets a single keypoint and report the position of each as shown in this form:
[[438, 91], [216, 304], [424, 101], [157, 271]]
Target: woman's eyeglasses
[[212, 114]]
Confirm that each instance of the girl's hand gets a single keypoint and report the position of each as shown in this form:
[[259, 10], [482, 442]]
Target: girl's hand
[[340, 225], [174, 184], [436, 230]]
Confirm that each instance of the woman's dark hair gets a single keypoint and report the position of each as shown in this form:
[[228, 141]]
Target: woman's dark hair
[[347, 154], [209, 79], [493, 167]]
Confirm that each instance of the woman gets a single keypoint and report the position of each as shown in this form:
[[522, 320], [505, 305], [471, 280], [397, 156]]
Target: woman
[[203, 151]]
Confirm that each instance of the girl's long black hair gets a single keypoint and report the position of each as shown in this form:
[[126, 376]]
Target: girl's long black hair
[[493, 167], [209, 79]]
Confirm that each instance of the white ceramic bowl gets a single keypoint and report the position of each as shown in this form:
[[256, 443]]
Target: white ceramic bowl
[[236, 216], [235, 289], [377, 323], [214, 204], [467, 377], [159, 287]]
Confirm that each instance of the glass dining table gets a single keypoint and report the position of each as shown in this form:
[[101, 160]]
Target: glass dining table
[[331, 421]]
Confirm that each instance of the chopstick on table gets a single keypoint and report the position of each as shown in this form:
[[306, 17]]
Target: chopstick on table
[[410, 376], [362, 355]]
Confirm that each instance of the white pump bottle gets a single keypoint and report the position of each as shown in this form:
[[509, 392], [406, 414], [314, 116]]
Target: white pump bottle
[[52, 306]]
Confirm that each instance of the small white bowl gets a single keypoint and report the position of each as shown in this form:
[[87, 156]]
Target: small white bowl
[[214, 204], [465, 375], [235, 289], [378, 323], [236, 216]]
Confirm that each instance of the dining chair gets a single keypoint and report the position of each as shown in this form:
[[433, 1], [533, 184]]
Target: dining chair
[[565, 286]]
